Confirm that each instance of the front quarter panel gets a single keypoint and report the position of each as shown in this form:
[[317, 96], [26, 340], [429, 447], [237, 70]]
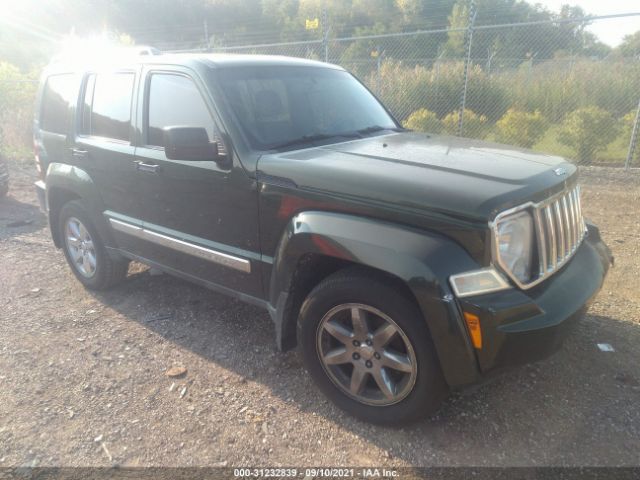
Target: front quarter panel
[[423, 261]]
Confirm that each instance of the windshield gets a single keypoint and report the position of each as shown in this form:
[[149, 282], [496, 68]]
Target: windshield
[[280, 106]]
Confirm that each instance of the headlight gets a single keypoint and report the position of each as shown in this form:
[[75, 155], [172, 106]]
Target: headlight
[[514, 241]]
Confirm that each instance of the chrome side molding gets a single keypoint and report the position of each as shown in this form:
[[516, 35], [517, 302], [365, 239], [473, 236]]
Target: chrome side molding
[[240, 264]]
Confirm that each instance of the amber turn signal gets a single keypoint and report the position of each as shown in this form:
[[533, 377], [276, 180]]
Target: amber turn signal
[[473, 324]]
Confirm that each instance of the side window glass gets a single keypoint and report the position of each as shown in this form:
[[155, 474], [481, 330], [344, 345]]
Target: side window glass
[[111, 105], [174, 100], [59, 95]]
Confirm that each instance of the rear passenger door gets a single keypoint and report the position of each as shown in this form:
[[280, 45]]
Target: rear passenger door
[[103, 146], [202, 217]]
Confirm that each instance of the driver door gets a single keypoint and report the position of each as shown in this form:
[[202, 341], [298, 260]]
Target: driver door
[[202, 217]]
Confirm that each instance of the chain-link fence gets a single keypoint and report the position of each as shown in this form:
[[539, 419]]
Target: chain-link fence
[[543, 85]]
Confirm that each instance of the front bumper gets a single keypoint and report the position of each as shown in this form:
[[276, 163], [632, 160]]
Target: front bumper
[[524, 326]]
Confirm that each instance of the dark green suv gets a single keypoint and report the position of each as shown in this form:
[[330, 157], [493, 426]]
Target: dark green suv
[[402, 264]]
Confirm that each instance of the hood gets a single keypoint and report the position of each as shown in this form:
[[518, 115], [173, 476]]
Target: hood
[[458, 176]]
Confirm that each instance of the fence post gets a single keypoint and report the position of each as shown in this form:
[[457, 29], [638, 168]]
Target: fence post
[[436, 93], [325, 34], [378, 65], [467, 61], [634, 139], [490, 54]]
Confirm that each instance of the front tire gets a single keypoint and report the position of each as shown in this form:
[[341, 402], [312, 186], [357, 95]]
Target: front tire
[[367, 347], [85, 251]]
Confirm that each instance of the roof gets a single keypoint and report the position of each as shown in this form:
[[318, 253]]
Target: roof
[[121, 58], [237, 60]]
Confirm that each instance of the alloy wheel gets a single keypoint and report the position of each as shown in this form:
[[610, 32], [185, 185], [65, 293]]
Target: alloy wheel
[[80, 247], [366, 354]]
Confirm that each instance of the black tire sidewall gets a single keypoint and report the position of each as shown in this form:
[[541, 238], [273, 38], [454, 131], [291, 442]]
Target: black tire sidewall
[[100, 279], [429, 389]]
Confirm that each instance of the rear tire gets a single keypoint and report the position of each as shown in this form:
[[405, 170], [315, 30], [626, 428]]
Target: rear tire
[[85, 251], [367, 347]]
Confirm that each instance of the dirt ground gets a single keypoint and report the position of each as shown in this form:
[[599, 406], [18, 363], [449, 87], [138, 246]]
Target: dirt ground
[[82, 375]]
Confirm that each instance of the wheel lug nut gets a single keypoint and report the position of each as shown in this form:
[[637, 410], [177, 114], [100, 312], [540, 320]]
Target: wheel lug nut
[[377, 356], [356, 356], [369, 364], [356, 343]]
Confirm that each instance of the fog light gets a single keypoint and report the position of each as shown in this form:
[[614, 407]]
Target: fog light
[[473, 324], [478, 282]]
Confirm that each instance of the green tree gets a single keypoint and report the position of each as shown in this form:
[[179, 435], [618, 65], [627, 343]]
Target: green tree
[[458, 20], [521, 128], [474, 125], [588, 131], [630, 46], [423, 120]]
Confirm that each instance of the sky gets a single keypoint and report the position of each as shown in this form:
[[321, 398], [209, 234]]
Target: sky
[[612, 31]]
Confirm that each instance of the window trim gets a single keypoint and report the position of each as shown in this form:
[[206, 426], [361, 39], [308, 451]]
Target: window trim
[[80, 111], [81, 103], [145, 105]]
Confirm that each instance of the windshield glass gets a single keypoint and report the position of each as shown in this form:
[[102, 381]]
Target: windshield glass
[[280, 106]]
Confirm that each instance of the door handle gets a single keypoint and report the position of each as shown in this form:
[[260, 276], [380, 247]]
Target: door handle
[[79, 153], [147, 167]]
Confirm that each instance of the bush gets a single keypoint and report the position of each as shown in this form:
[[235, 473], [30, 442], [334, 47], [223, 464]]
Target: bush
[[627, 123], [406, 89], [521, 128], [474, 125], [423, 120], [17, 92], [559, 86], [588, 131], [627, 130]]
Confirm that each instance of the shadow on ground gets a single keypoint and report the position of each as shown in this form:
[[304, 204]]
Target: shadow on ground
[[567, 406], [18, 218]]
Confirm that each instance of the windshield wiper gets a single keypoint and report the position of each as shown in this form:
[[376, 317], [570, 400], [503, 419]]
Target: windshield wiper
[[325, 136], [312, 138]]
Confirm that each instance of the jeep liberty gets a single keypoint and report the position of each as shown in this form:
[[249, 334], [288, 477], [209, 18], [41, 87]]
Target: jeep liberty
[[401, 264]]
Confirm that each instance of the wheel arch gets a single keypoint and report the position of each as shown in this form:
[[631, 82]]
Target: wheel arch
[[316, 244], [66, 183]]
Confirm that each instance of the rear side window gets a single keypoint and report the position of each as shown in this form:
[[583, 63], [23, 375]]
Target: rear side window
[[59, 96], [107, 105], [174, 100]]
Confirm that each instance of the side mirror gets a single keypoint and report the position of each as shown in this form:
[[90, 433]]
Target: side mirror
[[189, 143]]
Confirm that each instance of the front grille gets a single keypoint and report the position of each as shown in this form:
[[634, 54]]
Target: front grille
[[559, 229]]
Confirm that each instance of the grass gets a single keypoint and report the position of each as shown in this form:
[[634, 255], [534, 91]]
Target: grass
[[17, 152]]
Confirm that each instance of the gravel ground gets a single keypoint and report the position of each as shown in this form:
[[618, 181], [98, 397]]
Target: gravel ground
[[82, 374]]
